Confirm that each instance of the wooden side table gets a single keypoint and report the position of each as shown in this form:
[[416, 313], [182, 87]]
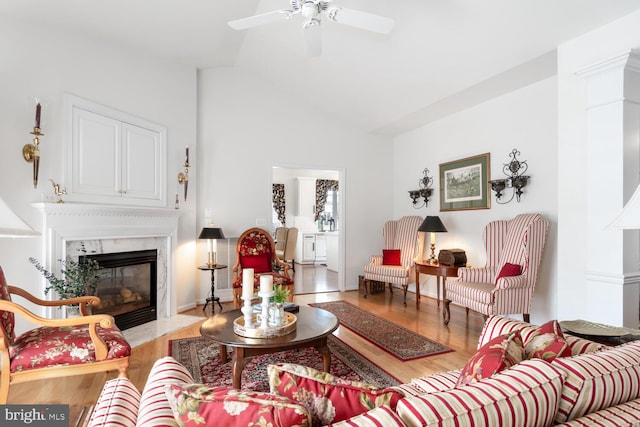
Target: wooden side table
[[440, 271], [213, 298]]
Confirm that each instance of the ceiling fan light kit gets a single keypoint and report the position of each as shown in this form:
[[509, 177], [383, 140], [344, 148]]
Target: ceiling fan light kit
[[312, 11]]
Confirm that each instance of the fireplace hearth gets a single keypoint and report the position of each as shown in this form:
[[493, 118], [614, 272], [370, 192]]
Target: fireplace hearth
[[128, 286]]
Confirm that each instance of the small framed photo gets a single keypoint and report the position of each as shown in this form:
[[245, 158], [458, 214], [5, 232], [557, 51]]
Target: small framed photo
[[464, 183]]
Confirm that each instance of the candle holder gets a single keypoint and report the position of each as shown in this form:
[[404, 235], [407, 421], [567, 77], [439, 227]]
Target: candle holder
[[31, 153], [264, 313], [247, 311]]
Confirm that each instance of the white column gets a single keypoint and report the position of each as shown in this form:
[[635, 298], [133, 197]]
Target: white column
[[613, 129]]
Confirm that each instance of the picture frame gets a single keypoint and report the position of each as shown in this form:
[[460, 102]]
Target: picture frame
[[464, 183]]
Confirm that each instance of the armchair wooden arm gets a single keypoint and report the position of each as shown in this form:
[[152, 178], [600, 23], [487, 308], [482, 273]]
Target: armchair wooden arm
[[104, 320], [91, 300]]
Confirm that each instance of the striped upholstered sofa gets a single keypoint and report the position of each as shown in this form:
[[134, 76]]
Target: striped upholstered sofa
[[594, 385]]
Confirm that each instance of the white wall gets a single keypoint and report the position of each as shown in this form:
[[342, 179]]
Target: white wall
[[245, 128], [44, 63], [573, 170], [524, 119]]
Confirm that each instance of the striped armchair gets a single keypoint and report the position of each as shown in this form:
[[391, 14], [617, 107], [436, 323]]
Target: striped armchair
[[505, 284], [403, 235]]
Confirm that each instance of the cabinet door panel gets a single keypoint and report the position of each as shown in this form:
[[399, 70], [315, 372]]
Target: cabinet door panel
[[141, 174], [96, 154]]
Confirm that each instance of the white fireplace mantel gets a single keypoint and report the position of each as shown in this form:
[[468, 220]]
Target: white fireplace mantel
[[68, 222]]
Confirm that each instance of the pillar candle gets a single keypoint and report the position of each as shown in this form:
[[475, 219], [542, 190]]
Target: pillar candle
[[38, 109], [433, 238], [247, 283], [187, 154], [266, 284]]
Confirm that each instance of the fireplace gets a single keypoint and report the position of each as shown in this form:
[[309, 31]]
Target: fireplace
[[128, 286]]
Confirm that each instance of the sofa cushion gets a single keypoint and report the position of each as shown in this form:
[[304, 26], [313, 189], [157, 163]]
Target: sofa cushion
[[391, 257], [499, 325], [154, 405], [499, 354], [599, 380], [117, 404], [441, 381], [198, 404], [382, 416], [547, 342], [329, 399], [526, 395], [625, 414]]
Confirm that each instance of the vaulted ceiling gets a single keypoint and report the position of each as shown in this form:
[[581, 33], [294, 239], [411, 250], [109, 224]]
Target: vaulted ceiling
[[442, 55]]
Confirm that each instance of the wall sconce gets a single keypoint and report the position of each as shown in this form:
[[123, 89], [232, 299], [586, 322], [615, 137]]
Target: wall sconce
[[515, 180], [183, 177], [424, 192], [31, 152]]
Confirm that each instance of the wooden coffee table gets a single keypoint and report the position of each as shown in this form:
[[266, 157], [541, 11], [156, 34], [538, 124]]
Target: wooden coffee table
[[312, 329]]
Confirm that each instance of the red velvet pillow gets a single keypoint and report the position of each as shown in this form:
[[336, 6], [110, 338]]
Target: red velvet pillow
[[509, 270], [502, 352], [547, 342], [391, 257], [259, 263]]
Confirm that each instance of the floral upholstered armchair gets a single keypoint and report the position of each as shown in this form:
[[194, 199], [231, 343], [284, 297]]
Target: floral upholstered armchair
[[396, 264], [255, 249], [505, 284], [57, 347]]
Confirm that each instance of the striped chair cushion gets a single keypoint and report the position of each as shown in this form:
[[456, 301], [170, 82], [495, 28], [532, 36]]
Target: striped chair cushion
[[154, 405], [525, 395], [625, 414], [597, 381], [117, 405], [382, 416], [480, 292]]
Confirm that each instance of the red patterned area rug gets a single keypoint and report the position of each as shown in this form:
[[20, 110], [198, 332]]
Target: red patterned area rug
[[202, 359], [394, 339]]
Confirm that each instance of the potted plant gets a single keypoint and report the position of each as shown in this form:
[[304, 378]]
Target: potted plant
[[77, 278], [276, 314]]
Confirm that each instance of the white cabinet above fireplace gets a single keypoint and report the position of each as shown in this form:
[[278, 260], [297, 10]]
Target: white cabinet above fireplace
[[114, 157]]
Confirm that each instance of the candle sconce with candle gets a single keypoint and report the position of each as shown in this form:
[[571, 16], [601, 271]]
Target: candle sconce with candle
[[183, 177], [31, 152]]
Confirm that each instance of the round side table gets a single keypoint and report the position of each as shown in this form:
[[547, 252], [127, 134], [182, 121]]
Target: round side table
[[213, 298]]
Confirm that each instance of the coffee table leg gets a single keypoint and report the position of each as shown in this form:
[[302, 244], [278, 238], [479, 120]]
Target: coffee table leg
[[323, 349], [239, 362], [223, 353]]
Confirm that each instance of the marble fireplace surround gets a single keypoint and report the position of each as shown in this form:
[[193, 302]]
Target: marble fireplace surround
[[107, 229]]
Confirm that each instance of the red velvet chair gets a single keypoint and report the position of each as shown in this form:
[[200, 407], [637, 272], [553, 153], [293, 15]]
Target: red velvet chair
[[57, 347], [255, 249]]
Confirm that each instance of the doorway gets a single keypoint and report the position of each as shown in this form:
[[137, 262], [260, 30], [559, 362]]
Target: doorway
[[319, 261]]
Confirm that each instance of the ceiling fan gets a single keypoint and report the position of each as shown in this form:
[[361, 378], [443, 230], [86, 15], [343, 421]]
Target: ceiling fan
[[312, 11]]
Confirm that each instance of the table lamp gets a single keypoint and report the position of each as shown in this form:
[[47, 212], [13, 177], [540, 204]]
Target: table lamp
[[211, 234], [433, 225], [11, 225]]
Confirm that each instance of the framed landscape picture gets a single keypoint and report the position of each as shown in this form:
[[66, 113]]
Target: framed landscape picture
[[464, 184]]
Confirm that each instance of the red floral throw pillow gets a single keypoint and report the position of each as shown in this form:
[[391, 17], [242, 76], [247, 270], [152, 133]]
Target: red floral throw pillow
[[499, 354], [328, 398], [201, 405], [547, 342], [391, 257], [509, 270]]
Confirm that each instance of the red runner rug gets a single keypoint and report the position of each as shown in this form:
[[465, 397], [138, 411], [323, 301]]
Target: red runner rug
[[394, 339], [202, 358]]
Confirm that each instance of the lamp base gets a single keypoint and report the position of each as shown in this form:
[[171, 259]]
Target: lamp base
[[432, 258]]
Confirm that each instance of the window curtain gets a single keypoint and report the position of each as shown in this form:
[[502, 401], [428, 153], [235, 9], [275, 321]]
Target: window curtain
[[322, 186], [279, 204]]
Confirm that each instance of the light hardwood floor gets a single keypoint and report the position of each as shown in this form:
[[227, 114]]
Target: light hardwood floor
[[460, 335]]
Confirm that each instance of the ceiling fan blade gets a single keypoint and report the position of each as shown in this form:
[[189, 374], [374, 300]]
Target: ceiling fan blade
[[363, 20], [312, 37], [262, 19]]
